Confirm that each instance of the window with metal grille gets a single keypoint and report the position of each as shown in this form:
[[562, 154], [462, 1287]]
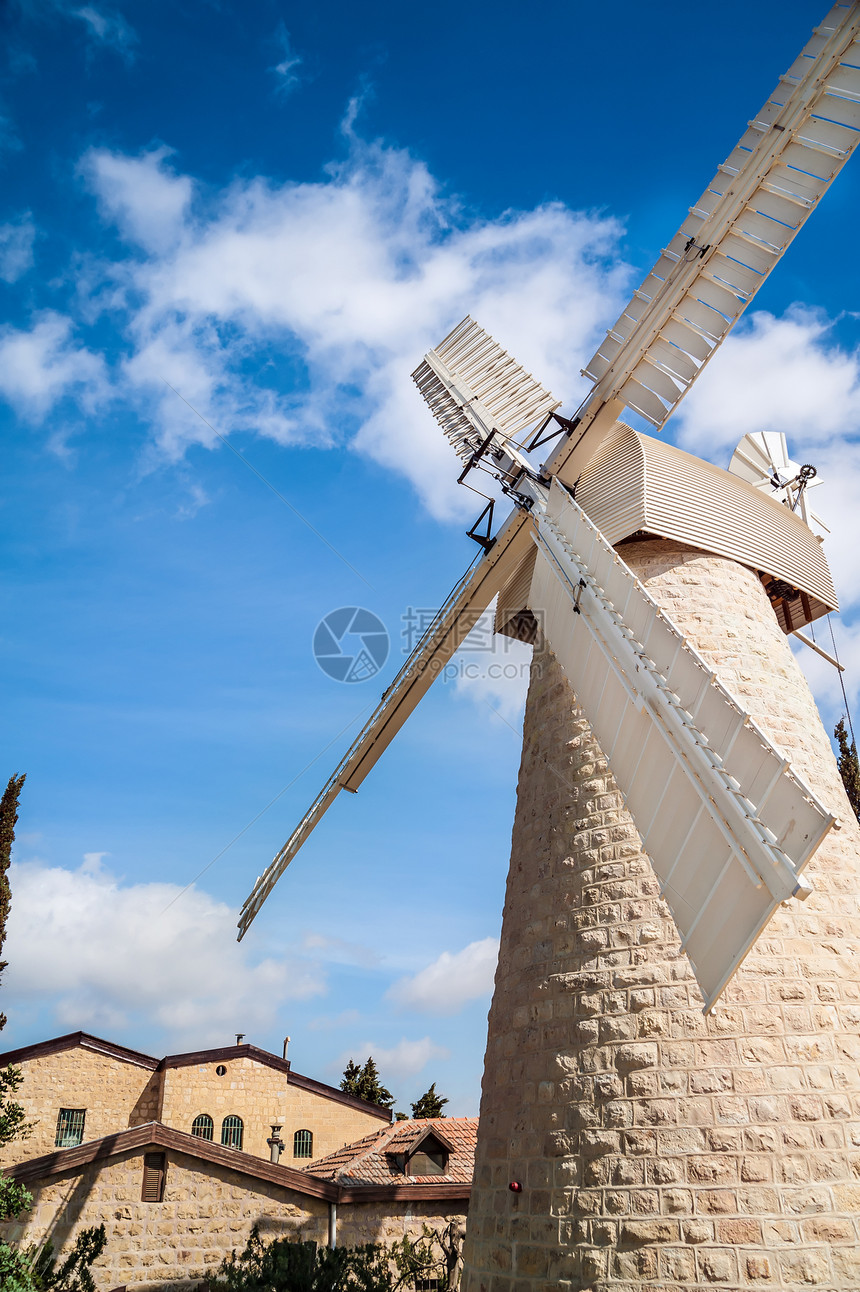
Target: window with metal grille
[[70, 1127], [303, 1143], [203, 1126], [231, 1131], [154, 1172], [428, 1285]]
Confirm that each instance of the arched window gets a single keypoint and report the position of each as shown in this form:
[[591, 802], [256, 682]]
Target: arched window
[[303, 1143], [203, 1126], [231, 1131]]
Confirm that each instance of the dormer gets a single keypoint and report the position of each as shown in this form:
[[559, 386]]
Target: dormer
[[428, 1154]]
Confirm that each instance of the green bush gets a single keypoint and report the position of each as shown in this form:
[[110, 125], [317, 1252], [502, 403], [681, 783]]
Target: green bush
[[289, 1265]]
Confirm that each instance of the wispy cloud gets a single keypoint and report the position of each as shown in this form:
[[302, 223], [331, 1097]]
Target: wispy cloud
[[405, 1059], [16, 248], [40, 366], [451, 981], [286, 69], [107, 27]]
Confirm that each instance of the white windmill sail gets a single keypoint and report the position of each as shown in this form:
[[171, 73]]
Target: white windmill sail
[[445, 634], [473, 387], [726, 822], [732, 238], [761, 458]]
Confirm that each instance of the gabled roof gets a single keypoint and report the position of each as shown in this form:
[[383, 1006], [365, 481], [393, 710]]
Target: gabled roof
[[160, 1136], [378, 1159], [83, 1039], [221, 1054]]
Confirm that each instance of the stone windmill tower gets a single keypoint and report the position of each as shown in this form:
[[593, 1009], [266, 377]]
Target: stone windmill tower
[[671, 1092]]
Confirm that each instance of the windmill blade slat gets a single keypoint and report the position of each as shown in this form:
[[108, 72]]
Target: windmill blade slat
[[473, 386], [446, 633], [755, 197], [727, 823]]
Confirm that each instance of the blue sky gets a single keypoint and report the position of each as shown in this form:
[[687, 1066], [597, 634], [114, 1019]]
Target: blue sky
[[276, 209]]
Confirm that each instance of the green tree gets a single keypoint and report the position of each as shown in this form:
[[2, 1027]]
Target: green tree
[[8, 819], [849, 767], [14, 1198], [429, 1105], [364, 1083], [32, 1269]]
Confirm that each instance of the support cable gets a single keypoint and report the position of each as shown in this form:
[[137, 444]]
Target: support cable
[[842, 683]]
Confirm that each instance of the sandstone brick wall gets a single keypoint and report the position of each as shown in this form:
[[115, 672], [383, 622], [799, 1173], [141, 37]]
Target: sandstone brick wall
[[261, 1096], [388, 1222], [657, 1146], [205, 1214], [116, 1094]]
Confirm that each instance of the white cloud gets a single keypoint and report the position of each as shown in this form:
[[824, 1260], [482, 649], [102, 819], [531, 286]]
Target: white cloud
[[404, 1059], [451, 981], [107, 27], [286, 70], [785, 374], [349, 279], [16, 248], [492, 670], [38, 367], [143, 196], [107, 955]]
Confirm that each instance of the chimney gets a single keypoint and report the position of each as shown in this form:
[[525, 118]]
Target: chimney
[[286, 1043], [276, 1145], [240, 1036]]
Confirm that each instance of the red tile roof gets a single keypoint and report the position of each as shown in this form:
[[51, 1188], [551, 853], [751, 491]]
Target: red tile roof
[[378, 1158]]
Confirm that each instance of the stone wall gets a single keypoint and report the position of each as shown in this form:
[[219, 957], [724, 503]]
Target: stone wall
[[261, 1096], [388, 1222], [207, 1211], [657, 1146], [115, 1093]]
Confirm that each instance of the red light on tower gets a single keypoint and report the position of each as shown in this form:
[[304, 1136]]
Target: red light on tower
[[515, 1186]]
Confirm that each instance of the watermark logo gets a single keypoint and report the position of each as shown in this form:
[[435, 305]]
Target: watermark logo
[[351, 644]]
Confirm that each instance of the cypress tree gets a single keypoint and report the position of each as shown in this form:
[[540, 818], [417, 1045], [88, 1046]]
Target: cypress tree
[[429, 1105], [849, 767]]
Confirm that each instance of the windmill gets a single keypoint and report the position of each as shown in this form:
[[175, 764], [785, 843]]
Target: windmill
[[674, 742]]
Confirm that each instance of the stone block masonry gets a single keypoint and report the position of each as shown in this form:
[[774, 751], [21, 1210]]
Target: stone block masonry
[[115, 1094], [656, 1146]]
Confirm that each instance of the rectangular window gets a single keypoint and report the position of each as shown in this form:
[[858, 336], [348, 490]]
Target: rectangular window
[[428, 1285], [154, 1173], [70, 1127]]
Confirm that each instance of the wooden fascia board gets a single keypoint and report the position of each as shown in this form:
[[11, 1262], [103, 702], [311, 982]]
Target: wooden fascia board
[[156, 1134], [406, 1193], [41, 1049]]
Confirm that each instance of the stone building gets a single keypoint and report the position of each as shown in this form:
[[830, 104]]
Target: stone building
[[79, 1087], [175, 1203]]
